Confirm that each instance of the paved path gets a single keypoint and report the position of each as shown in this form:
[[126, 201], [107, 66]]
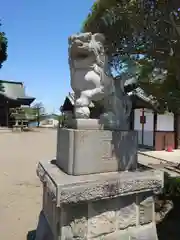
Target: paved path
[[151, 162], [172, 157], [20, 189]]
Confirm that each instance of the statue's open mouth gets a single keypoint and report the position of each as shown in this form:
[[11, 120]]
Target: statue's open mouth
[[82, 55], [81, 52]]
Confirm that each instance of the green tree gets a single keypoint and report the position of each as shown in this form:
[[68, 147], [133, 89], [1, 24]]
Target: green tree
[[39, 111], [3, 51], [143, 40], [3, 48], [30, 113]]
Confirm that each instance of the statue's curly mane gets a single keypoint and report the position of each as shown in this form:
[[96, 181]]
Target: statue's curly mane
[[87, 45], [87, 62]]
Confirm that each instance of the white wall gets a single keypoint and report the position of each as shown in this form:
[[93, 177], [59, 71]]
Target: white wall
[[138, 125], [148, 133], [165, 122], [49, 122], [149, 128]]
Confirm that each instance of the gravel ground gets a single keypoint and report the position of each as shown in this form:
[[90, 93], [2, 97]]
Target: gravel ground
[[21, 191], [20, 188]]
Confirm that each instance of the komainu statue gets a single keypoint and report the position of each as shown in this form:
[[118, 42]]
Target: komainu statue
[[89, 81], [87, 62]]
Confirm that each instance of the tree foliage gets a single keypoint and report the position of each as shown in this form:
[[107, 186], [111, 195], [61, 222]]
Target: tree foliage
[[3, 48], [30, 113], [18, 113], [39, 108], [38, 111], [143, 40]]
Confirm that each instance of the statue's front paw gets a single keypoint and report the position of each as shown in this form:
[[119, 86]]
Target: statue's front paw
[[82, 102], [82, 112], [79, 102]]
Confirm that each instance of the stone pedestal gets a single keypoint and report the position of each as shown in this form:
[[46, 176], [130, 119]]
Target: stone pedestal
[[93, 190], [82, 151], [104, 206], [84, 124]]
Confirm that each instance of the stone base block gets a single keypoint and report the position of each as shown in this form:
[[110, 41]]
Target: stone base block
[[109, 206], [96, 151], [84, 124]]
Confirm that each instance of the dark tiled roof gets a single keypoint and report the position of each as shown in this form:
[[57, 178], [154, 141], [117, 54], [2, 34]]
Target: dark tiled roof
[[142, 95], [15, 91]]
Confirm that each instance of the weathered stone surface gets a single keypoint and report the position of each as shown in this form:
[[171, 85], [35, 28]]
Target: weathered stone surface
[[109, 206], [74, 221], [73, 189], [88, 78], [102, 217], [90, 82], [106, 216], [127, 213], [97, 219], [119, 235], [111, 151], [50, 210], [146, 208], [84, 124], [148, 232]]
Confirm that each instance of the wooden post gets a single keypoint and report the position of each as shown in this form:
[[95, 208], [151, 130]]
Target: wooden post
[[154, 130], [143, 126], [132, 120], [177, 130]]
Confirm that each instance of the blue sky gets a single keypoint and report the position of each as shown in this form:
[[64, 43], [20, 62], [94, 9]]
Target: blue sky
[[37, 32]]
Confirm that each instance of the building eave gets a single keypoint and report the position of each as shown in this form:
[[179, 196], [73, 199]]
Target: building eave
[[26, 100], [146, 101]]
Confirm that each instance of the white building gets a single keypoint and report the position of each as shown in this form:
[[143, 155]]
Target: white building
[[156, 130], [50, 120]]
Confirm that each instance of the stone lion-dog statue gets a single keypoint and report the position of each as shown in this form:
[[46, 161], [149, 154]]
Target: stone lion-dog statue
[[88, 66], [87, 62]]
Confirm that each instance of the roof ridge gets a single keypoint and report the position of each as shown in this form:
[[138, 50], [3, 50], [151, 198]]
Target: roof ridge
[[9, 81]]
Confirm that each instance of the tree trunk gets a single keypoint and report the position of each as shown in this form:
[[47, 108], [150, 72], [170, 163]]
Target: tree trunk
[[38, 119]]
